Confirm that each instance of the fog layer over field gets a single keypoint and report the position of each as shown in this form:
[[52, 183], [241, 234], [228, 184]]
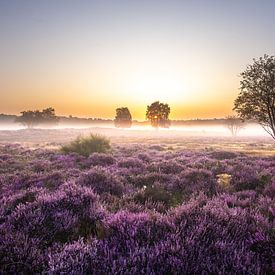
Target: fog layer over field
[[193, 130]]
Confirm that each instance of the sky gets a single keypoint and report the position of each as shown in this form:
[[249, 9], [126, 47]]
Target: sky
[[86, 58]]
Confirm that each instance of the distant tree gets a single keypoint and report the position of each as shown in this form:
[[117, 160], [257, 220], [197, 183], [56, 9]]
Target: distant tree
[[234, 124], [257, 97], [158, 114], [30, 119], [123, 118], [47, 116]]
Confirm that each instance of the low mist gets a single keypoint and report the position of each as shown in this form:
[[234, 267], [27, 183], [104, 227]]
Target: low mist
[[192, 130]]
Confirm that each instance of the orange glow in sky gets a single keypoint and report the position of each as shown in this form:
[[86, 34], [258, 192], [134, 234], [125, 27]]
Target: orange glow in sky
[[86, 58]]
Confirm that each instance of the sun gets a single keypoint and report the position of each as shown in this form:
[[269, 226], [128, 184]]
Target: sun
[[168, 87]]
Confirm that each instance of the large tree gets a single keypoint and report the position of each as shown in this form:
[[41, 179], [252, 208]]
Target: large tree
[[123, 118], [158, 114], [30, 119], [257, 97]]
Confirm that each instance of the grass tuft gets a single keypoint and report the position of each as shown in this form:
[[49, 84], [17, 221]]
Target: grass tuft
[[87, 145]]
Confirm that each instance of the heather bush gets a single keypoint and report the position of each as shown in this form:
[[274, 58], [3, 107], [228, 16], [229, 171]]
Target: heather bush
[[265, 206], [166, 167], [88, 145], [221, 155], [157, 147], [127, 204], [40, 166], [155, 194], [248, 177], [66, 215], [198, 232], [149, 179], [9, 203], [130, 163], [213, 225], [64, 161], [270, 190], [101, 159], [138, 210], [101, 181], [144, 157], [20, 254], [194, 180], [23, 180]]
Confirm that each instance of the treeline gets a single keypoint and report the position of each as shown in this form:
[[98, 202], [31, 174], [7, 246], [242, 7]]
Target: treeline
[[7, 118], [72, 120]]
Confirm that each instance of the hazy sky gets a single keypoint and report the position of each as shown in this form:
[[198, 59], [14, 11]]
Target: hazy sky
[[86, 58]]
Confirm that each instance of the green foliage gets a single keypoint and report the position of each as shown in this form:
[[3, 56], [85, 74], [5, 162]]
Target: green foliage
[[88, 145], [123, 118], [31, 119], [257, 97], [158, 114]]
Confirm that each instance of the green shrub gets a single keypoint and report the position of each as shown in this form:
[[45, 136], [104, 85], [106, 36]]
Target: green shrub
[[87, 145]]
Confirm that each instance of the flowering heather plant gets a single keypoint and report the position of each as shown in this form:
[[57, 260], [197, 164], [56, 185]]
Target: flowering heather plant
[[101, 159], [193, 180], [166, 167], [130, 163], [221, 155], [270, 189], [135, 210], [198, 232], [144, 157], [67, 214], [149, 179], [101, 181]]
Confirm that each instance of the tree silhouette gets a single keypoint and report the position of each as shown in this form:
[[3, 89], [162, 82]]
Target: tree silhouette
[[30, 119], [47, 116], [123, 118], [234, 124], [158, 114], [257, 97]]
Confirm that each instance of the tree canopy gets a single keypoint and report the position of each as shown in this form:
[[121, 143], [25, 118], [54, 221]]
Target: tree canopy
[[30, 119], [123, 118], [257, 97], [158, 114]]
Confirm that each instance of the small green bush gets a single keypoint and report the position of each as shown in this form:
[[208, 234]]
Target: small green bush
[[87, 145]]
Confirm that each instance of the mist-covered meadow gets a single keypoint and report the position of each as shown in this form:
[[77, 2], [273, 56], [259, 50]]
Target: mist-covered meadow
[[153, 203], [137, 137]]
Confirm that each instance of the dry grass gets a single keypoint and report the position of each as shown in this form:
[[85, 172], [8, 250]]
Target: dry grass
[[169, 140]]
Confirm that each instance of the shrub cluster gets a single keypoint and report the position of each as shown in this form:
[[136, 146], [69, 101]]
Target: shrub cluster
[[88, 145]]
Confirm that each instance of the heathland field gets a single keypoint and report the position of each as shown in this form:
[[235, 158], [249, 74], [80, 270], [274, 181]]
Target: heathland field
[[152, 203]]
